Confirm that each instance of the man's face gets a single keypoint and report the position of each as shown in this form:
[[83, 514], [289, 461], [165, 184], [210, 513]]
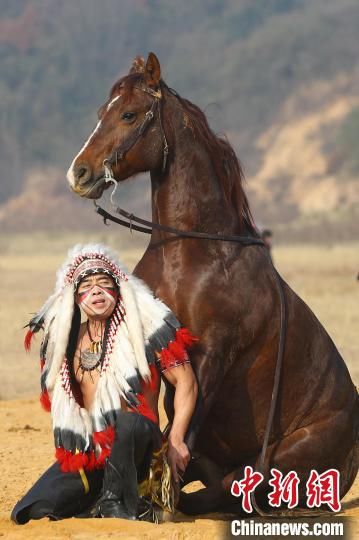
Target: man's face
[[97, 295]]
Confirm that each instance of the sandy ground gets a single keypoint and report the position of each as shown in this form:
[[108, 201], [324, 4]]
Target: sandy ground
[[28, 435], [325, 277], [27, 450]]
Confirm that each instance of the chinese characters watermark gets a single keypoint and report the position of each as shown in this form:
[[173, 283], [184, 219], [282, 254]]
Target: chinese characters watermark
[[320, 489]]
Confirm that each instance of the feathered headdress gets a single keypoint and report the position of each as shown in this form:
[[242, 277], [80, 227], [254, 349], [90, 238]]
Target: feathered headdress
[[141, 331]]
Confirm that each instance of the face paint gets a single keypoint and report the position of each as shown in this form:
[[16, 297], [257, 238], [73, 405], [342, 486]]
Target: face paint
[[98, 301], [109, 291]]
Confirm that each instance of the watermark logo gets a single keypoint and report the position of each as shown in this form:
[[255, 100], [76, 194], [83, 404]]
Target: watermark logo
[[285, 489], [320, 489], [324, 488], [246, 486]]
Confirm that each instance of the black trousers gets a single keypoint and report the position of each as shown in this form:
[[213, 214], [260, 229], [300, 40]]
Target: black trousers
[[59, 495]]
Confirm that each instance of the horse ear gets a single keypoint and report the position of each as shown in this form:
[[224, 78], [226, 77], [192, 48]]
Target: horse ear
[[138, 65], [152, 71]]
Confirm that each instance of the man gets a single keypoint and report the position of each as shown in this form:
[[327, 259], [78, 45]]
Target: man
[[267, 235], [100, 379]]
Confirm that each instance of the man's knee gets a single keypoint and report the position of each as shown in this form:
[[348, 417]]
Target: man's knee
[[37, 510], [133, 426], [57, 495]]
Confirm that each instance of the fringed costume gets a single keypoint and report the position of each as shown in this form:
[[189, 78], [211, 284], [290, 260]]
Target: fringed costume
[[142, 338]]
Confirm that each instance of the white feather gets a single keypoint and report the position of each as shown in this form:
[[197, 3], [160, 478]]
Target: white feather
[[135, 330], [123, 356], [62, 328], [112, 392], [153, 311]]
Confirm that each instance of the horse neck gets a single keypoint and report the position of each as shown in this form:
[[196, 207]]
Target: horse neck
[[189, 195]]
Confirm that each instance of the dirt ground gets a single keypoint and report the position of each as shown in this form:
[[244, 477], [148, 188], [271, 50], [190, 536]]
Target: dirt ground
[[27, 450], [324, 276]]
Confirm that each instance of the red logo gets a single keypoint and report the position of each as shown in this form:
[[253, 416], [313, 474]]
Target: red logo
[[320, 489], [324, 489], [285, 489], [246, 486]]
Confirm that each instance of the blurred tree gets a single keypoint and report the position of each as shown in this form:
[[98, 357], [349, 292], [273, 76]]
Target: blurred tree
[[246, 56], [349, 140]]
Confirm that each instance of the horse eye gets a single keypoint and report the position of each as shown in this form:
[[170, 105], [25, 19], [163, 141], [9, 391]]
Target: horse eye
[[128, 116]]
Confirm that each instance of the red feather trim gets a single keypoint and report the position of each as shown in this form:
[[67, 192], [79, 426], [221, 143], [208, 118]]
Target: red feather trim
[[27, 340], [70, 462], [178, 350], [167, 359], [153, 383], [185, 338], [91, 465], [77, 461], [61, 456], [176, 353], [45, 401], [144, 409], [104, 438], [42, 363]]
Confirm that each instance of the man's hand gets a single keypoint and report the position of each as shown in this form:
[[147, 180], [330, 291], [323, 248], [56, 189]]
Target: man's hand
[[183, 379], [178, 457]]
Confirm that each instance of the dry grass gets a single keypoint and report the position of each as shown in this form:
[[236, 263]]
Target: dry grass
[[324, 277]]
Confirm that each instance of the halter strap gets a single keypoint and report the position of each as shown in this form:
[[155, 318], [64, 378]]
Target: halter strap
[[120, 152]]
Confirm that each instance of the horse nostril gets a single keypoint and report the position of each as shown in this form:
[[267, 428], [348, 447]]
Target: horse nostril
[[82, 173]]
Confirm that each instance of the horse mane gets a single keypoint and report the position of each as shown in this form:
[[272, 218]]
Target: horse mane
[[227, 166]]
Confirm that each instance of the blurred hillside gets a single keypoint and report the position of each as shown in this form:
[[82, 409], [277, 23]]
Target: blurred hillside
[[279, 77]]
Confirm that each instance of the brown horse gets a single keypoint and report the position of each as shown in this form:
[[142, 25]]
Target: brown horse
[[225, 293]]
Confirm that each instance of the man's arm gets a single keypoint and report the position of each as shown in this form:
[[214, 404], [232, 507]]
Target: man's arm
[[183, 379]]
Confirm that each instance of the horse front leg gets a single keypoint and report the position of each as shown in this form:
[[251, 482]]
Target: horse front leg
[[209, 374], [210, 369]]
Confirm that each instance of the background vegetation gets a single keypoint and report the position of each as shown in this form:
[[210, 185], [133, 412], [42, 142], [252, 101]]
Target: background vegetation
[[239, 60], [349, 140]]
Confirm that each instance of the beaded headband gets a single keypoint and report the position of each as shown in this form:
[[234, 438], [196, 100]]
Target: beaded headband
[[92, 263]]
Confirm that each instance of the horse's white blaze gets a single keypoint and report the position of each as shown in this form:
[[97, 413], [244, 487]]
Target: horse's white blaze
[[70, 173], [112, 102]]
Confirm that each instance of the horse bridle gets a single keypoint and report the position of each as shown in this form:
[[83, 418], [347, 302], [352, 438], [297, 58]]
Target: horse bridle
[[119, 154]]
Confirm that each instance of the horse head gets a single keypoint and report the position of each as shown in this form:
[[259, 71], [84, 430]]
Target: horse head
[[128, 137]]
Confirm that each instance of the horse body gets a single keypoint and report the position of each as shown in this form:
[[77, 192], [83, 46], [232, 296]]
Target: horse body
[[226, 294]]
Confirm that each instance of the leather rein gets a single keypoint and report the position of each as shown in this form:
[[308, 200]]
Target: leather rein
[[245, 240], [118, 155], [121, 151]]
